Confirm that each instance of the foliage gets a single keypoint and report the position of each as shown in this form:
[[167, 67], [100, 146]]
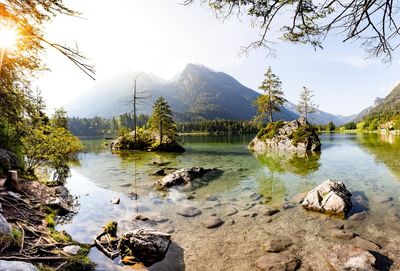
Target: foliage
[[350, 126], [330, 127], [272, 99], [270, 131], [375, 24], [45, 143], [217, 126], [305, 105], [98, 126], [161, 121], [302, 133]]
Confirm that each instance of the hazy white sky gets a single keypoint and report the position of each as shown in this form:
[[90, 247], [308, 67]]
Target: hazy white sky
[[162, 36]]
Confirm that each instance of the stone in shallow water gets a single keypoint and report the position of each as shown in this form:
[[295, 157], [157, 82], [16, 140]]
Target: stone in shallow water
[[17, 266], [230, 210], [212, 222], [330, 197], [264, 210], [71, 250], [365, 244], [212, 198], [277, 244], [247, 214], [347, 257], [358, 216], [342, 234], [147, 245], [189, 212], [278, 262], [115, 200]]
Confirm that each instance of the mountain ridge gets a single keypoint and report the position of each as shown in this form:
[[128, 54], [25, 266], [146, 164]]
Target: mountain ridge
[[198, 92]]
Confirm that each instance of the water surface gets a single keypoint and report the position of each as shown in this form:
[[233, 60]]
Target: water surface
[[368, 164]]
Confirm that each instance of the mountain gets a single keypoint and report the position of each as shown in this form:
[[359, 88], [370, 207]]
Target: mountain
[[389, 105], [367, 110], [319, 117], [197, 93]]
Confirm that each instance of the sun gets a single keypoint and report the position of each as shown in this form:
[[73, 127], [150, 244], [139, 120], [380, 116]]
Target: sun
[[8, 37]]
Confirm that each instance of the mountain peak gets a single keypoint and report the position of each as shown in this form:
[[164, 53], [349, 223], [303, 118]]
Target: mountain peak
[[197, 67]]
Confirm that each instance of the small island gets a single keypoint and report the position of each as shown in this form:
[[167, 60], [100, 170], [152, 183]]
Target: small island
[[161, 134], [294, 136]]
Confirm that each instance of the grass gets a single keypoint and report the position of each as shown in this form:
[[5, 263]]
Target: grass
[[302, 133]]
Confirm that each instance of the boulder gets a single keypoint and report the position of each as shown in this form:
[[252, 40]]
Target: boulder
[[348, 257], [330, 197], [278, 262], [17, 266], [184, 176], [58, 204], [290, 136], [146, 245]]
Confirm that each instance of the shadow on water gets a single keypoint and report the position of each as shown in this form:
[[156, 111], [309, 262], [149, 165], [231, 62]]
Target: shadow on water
[[382, 262], [174, 260], [360, 202]]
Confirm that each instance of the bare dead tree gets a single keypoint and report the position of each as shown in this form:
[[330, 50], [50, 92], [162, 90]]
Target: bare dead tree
[[374, 23], [138, 98]]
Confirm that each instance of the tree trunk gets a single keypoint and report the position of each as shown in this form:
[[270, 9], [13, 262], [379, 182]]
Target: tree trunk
[[270, 111], [11, 182], [161, 134]]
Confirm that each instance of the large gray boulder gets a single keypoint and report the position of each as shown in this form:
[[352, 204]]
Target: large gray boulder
[[145, 245], [185, 176], [290, 136], [330, 197], [17, 266]]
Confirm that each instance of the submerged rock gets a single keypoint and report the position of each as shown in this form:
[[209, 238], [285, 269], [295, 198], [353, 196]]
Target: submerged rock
[[212, 222], [330, 197], [278, 262], [292, 136], [17, 266], [186, 176], [189, 212], [277, 244], [146, 245], [347, 257]]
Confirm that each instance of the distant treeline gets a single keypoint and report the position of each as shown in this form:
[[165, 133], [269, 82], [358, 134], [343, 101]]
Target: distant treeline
[[217, 126], [99, 126]]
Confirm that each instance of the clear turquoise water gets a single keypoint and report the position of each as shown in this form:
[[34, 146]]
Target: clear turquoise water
[[368, 164]]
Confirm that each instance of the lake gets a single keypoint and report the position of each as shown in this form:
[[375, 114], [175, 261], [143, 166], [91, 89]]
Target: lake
[[368, 164]]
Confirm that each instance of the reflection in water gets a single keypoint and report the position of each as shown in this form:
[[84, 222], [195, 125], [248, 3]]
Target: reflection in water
[[385, 148], [296, 163]]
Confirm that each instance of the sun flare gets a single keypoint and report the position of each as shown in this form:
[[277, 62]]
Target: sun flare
[[8, 37]]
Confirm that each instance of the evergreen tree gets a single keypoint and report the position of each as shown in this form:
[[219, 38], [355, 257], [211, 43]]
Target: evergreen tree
[[273, 98], [330, 127], [161, 120], [306, 105]]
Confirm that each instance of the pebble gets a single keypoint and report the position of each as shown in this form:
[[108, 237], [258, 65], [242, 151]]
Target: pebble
[[278, 261], [277, 244], [212, 222], [189, 212], [115, 200]]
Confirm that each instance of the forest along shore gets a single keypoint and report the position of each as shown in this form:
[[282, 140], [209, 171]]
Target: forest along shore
[[28, 214]]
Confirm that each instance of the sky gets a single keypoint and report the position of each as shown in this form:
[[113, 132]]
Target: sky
[[162, 36]]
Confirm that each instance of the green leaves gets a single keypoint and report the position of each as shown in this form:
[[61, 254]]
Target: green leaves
[[162, 120]]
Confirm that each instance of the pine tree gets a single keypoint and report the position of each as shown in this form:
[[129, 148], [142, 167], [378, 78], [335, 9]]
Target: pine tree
[[161, 120], [306, 105], [273, 98]]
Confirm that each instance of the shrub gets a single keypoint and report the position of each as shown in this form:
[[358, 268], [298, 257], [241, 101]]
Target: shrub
[[270, 131]]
